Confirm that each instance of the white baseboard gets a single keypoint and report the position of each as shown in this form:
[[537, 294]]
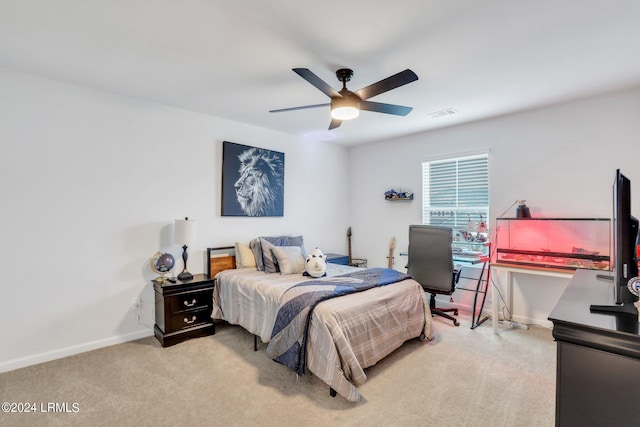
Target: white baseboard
[[70, 351], [546, 323]]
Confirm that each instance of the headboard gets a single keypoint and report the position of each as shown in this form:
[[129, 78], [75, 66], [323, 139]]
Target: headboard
[[219, 259]]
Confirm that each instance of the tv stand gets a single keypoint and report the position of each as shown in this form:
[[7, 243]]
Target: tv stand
[[598, 356]]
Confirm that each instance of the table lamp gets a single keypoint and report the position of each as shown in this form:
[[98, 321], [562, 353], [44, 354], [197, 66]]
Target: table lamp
[[183, 236]]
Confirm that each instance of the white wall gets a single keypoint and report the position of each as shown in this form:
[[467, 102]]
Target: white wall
[[91, 184], [561, 159]]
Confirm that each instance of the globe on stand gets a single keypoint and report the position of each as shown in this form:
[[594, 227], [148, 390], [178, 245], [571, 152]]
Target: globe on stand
[[162, 263]]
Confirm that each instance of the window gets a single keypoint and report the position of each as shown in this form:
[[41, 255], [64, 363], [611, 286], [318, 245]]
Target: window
[[455, 192]]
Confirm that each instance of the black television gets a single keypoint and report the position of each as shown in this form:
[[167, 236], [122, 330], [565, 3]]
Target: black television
[[625, 238]]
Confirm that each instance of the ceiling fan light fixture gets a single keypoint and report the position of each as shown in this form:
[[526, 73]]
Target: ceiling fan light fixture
[[344, 108], [345, 113]]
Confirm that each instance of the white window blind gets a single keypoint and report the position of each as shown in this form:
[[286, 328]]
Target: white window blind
[[455, 192]]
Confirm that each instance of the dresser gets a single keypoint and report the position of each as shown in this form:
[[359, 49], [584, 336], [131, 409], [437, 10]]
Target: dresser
[[598, 357], [183, 309]]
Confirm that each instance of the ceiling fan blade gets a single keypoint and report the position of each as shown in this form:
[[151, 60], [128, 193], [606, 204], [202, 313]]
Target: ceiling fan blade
[[398, 110], [397, 80], [304, 107], [323, 86], [335, 123]]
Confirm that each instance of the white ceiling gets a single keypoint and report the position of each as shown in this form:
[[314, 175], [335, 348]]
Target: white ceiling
[[233, 58]]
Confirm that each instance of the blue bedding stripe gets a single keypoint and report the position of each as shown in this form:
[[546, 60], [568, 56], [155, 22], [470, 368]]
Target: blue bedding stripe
[[289, 335]]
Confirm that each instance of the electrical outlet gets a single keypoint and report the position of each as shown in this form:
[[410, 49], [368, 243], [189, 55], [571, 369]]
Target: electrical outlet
[[136, 303]]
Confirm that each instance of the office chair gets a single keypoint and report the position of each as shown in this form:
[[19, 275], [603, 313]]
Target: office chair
[[431, 264]]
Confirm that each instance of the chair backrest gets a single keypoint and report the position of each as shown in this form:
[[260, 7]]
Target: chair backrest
[[431, 257]]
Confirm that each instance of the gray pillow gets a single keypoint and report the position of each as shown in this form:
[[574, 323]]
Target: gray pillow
[[257, 253], [264, 255], [268, 259], [289, 258]]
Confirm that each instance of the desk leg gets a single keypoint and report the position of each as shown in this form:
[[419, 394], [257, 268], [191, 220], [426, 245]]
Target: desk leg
[[508, 302], [494, 310], [509, 294], [495, 305], [480, 289]]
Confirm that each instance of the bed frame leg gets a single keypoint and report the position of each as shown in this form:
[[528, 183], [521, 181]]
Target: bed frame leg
[[332, 392], [255, 343]]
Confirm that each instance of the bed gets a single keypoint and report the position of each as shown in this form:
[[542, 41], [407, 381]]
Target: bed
[[345, 334]]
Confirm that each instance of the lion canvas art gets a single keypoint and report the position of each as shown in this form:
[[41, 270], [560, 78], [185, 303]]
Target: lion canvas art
[[252, 181]]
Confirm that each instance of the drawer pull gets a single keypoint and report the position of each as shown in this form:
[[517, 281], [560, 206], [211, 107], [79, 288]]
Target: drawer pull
[[188, 322], [193, 302]]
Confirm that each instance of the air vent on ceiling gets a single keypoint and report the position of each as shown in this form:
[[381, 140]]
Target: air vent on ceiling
[[442, 113]]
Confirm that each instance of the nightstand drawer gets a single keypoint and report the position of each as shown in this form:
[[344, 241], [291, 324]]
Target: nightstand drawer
[[189, 319], [191, 301]]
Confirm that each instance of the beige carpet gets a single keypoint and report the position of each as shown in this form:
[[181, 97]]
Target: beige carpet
[[463, 378]]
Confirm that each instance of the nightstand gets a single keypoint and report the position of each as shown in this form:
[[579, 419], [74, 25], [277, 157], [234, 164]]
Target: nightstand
[[183, 309], [338, 259]]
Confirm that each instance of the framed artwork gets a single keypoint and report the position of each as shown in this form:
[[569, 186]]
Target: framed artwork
[[252, 181]]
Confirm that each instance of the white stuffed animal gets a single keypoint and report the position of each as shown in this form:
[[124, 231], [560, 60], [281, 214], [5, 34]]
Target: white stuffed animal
[[316, 264]]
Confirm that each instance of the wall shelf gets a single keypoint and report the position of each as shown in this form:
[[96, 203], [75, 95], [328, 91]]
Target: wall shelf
[[394, 196]]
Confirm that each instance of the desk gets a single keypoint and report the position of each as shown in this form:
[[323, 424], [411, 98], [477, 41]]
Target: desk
[[598, 357], [510, 270]]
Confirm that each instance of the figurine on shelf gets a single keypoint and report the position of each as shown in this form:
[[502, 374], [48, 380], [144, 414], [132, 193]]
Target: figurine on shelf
[[398, 195], [471, 224], [482, 225]]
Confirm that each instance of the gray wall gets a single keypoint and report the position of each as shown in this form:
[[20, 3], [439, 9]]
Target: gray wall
[[91, 184], [561, 159]]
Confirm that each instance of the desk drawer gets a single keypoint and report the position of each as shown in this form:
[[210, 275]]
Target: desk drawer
[[191, 301]]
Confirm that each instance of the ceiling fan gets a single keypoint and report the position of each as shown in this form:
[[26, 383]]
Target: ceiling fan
[[346, 105]]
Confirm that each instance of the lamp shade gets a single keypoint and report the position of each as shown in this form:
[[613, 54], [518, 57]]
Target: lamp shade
[[183, 232]]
